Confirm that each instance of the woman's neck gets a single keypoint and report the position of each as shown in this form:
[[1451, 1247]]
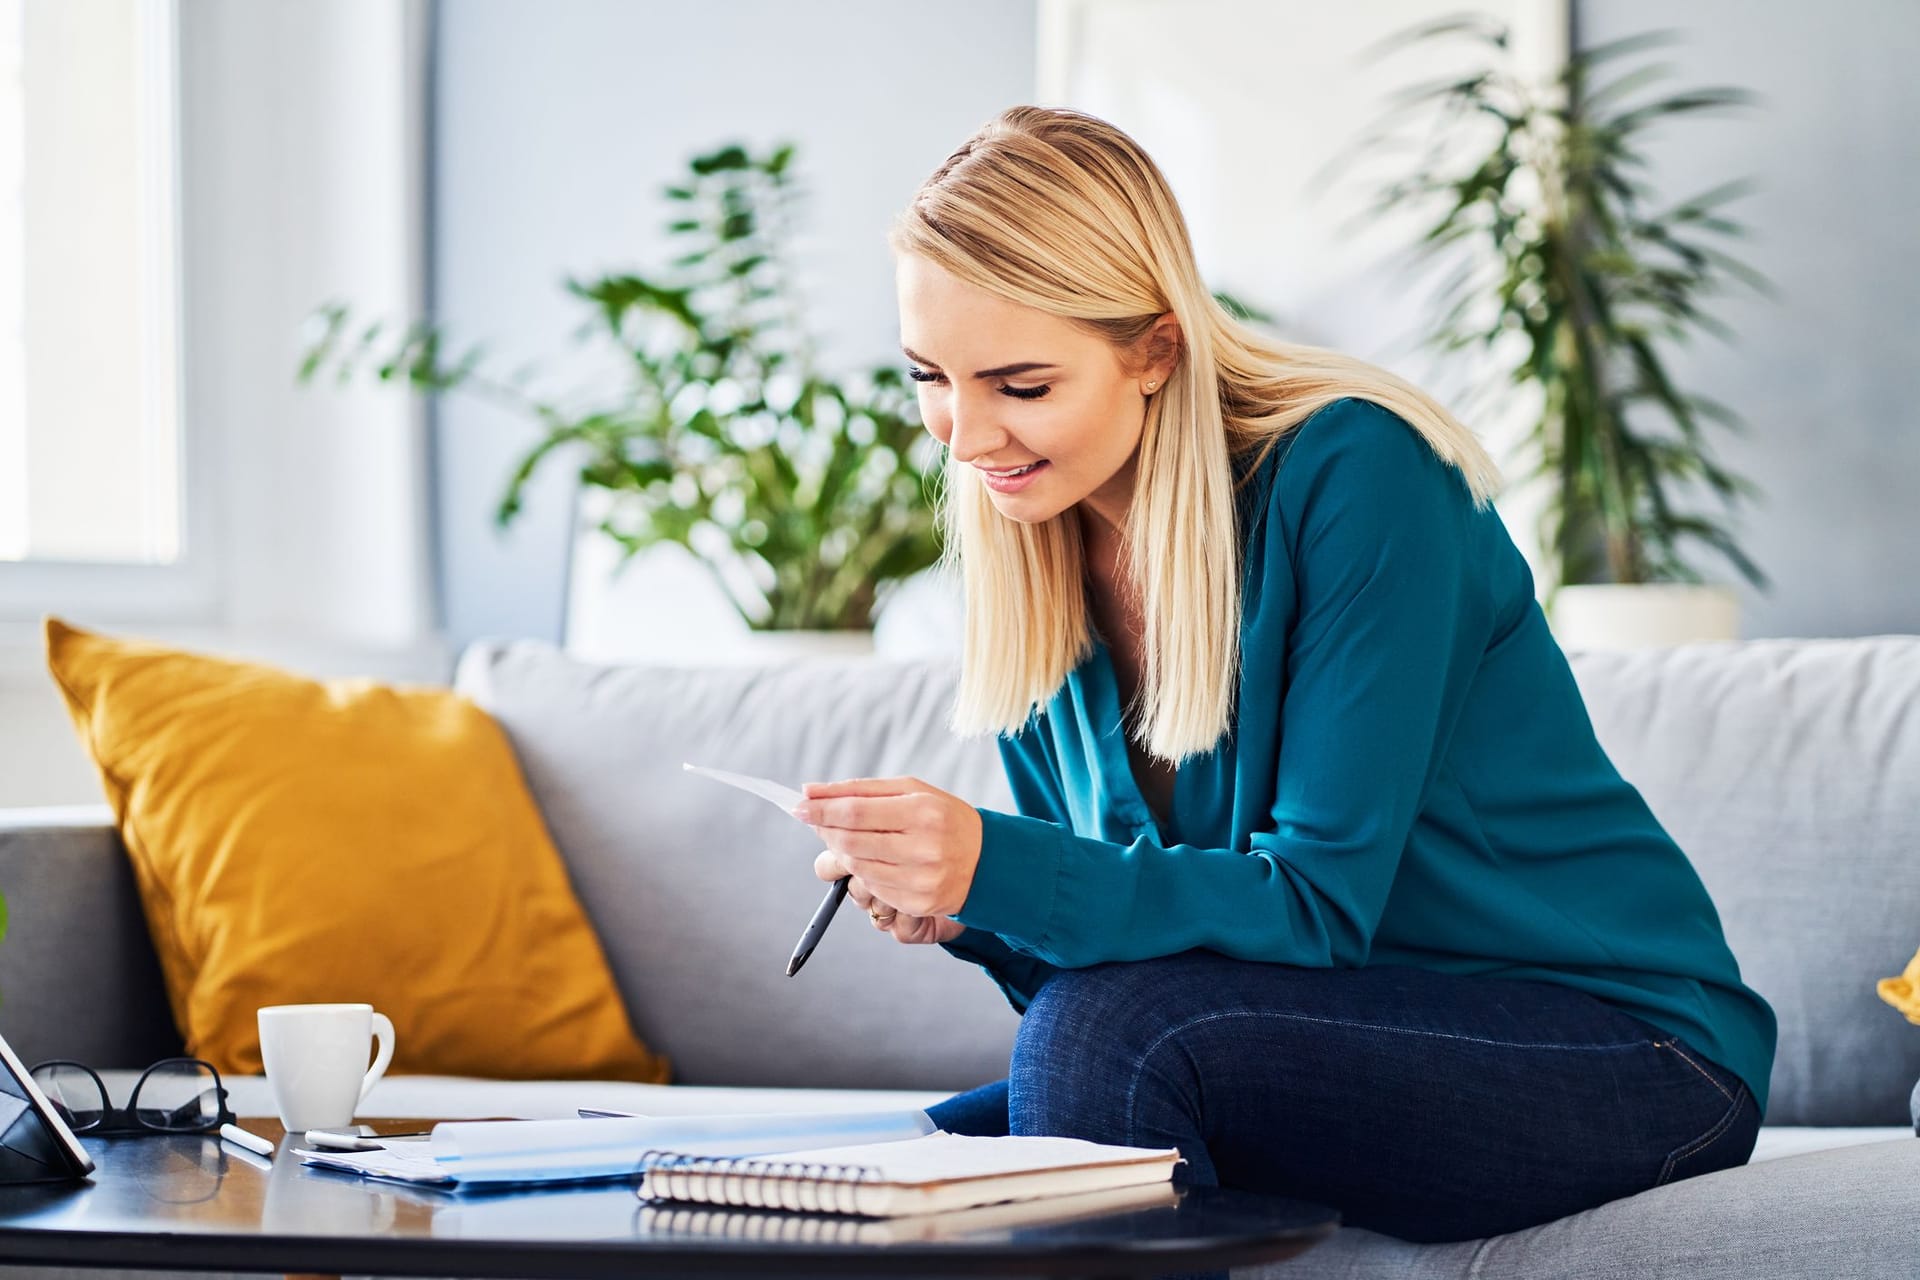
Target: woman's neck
[[1109, 584], [1100, 545]]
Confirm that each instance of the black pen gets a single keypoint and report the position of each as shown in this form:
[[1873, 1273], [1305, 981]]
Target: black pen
[[818, 925]]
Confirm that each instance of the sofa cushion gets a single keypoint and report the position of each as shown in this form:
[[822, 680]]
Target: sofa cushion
[[1850, 1211], [1789, 771], [657, 853]]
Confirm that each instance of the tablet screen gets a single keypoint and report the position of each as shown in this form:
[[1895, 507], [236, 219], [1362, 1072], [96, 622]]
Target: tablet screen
[[35, 1143]]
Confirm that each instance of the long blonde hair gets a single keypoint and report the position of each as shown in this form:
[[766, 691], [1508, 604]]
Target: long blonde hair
[[1061, 211]]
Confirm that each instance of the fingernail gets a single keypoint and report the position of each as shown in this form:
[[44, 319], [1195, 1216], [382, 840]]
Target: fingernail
[[802, 812]]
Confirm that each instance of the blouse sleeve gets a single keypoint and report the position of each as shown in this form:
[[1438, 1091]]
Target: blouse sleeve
[[1035, 782], [1389, 625]]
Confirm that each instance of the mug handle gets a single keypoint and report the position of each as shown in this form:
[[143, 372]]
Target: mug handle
[[383, 1030]]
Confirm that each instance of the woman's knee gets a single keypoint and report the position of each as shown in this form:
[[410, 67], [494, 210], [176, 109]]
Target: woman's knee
[[1090, 1041], [1084, 1015]]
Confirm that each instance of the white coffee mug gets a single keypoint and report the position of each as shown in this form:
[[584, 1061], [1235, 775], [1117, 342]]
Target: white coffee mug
[[316, 1060]]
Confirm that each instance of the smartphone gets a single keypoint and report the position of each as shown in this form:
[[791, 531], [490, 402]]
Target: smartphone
[[35, 1143]]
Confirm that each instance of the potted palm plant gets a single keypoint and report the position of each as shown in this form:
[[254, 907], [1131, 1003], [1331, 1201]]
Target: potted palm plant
[[806, 497], [1569, 283]]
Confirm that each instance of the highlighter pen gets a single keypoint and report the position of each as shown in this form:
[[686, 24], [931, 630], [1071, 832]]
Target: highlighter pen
[[817, 926]]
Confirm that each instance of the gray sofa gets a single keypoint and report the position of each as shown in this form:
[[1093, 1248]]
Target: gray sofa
[[1790, 771]]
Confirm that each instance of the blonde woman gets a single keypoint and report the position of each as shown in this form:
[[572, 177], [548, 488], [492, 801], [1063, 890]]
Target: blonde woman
[[1319, 872]]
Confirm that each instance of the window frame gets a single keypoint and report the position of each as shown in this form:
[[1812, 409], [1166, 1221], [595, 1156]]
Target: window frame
[[188, 588]]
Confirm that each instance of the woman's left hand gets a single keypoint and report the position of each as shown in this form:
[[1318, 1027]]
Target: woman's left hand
[[913, 844]]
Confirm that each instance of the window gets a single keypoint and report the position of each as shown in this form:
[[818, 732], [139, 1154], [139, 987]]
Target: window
[[90, 446]]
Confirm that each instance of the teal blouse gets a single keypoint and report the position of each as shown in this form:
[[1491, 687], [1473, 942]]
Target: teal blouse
[[1411, 778]]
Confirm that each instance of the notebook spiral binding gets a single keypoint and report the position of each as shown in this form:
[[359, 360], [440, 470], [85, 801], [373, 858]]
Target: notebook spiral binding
[[754, 1181]]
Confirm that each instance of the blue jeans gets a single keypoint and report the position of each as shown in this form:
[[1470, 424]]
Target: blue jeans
[[1423, 1105]]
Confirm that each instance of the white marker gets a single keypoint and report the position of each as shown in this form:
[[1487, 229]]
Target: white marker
[[251, 1141]]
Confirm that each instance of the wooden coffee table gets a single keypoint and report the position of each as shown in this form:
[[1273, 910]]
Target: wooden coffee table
[[196, 1203]]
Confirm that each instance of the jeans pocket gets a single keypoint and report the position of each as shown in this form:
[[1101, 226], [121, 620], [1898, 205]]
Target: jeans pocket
[[1714, 1149]]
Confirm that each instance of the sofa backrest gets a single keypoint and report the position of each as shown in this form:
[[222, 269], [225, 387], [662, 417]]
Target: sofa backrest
[[700, 891], [1789, 771], [78, 974]]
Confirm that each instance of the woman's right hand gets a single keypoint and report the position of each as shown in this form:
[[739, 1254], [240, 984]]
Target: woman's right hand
[[918, 930]]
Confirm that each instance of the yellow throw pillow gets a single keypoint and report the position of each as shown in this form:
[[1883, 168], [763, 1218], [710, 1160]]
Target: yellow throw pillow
[[1903, 992], [304, 841]]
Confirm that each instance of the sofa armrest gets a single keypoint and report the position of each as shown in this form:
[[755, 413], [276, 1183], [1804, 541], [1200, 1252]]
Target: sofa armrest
[[78, 974]]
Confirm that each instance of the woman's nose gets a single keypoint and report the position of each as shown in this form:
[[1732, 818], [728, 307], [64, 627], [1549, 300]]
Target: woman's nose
[[971, 433]]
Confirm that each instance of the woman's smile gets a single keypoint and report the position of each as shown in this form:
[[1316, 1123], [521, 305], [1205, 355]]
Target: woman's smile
[[1014, 480]]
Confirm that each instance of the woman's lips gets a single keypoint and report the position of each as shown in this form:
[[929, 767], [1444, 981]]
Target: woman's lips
[[1014, 484]]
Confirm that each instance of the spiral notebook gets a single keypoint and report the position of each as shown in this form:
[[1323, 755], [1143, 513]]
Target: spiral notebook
[[671, 1219], [931, 1174]]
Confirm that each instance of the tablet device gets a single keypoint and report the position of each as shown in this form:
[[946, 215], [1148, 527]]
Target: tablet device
[[35, 1143]]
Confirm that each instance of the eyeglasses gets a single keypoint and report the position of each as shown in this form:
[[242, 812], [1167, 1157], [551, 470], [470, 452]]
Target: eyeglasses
[[174, 1095]]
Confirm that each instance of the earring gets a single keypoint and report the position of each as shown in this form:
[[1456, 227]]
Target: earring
[[1152, 385]]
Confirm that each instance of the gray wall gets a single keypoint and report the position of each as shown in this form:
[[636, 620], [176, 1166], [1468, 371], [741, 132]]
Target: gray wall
[[556, 126], [1828, 376]]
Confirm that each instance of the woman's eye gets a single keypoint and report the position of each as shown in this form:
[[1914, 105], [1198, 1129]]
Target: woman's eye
[[1018, 393]]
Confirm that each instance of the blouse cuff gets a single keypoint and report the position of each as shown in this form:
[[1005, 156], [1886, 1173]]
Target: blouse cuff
[[1017, 879]]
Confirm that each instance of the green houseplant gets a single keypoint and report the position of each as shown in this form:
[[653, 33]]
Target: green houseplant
[[1570, 283], [804, 495]]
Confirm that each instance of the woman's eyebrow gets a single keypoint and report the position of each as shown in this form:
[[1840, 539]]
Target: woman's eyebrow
[[1004, 371]]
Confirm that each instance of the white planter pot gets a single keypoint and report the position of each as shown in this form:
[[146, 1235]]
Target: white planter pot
[[1640, 616], [792, 646], [663, 606]]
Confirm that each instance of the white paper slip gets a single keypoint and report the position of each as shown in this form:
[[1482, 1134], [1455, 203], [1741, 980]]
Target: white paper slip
[[413, 1165], [766, 789]]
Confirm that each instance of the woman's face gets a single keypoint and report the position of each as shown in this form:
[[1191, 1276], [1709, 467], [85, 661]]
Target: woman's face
[[1005, 386]]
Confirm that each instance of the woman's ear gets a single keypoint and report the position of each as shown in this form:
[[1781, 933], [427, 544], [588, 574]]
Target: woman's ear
[[1164, 345]]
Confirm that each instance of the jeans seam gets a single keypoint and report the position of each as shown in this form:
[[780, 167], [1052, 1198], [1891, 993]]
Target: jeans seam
[[1140, 1065], [1675, 1046], [1405, 1031], [1701, 1143]]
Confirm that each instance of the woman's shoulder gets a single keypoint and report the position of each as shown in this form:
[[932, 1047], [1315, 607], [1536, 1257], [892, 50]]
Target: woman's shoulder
[[1355, 451], [1359, 430]]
